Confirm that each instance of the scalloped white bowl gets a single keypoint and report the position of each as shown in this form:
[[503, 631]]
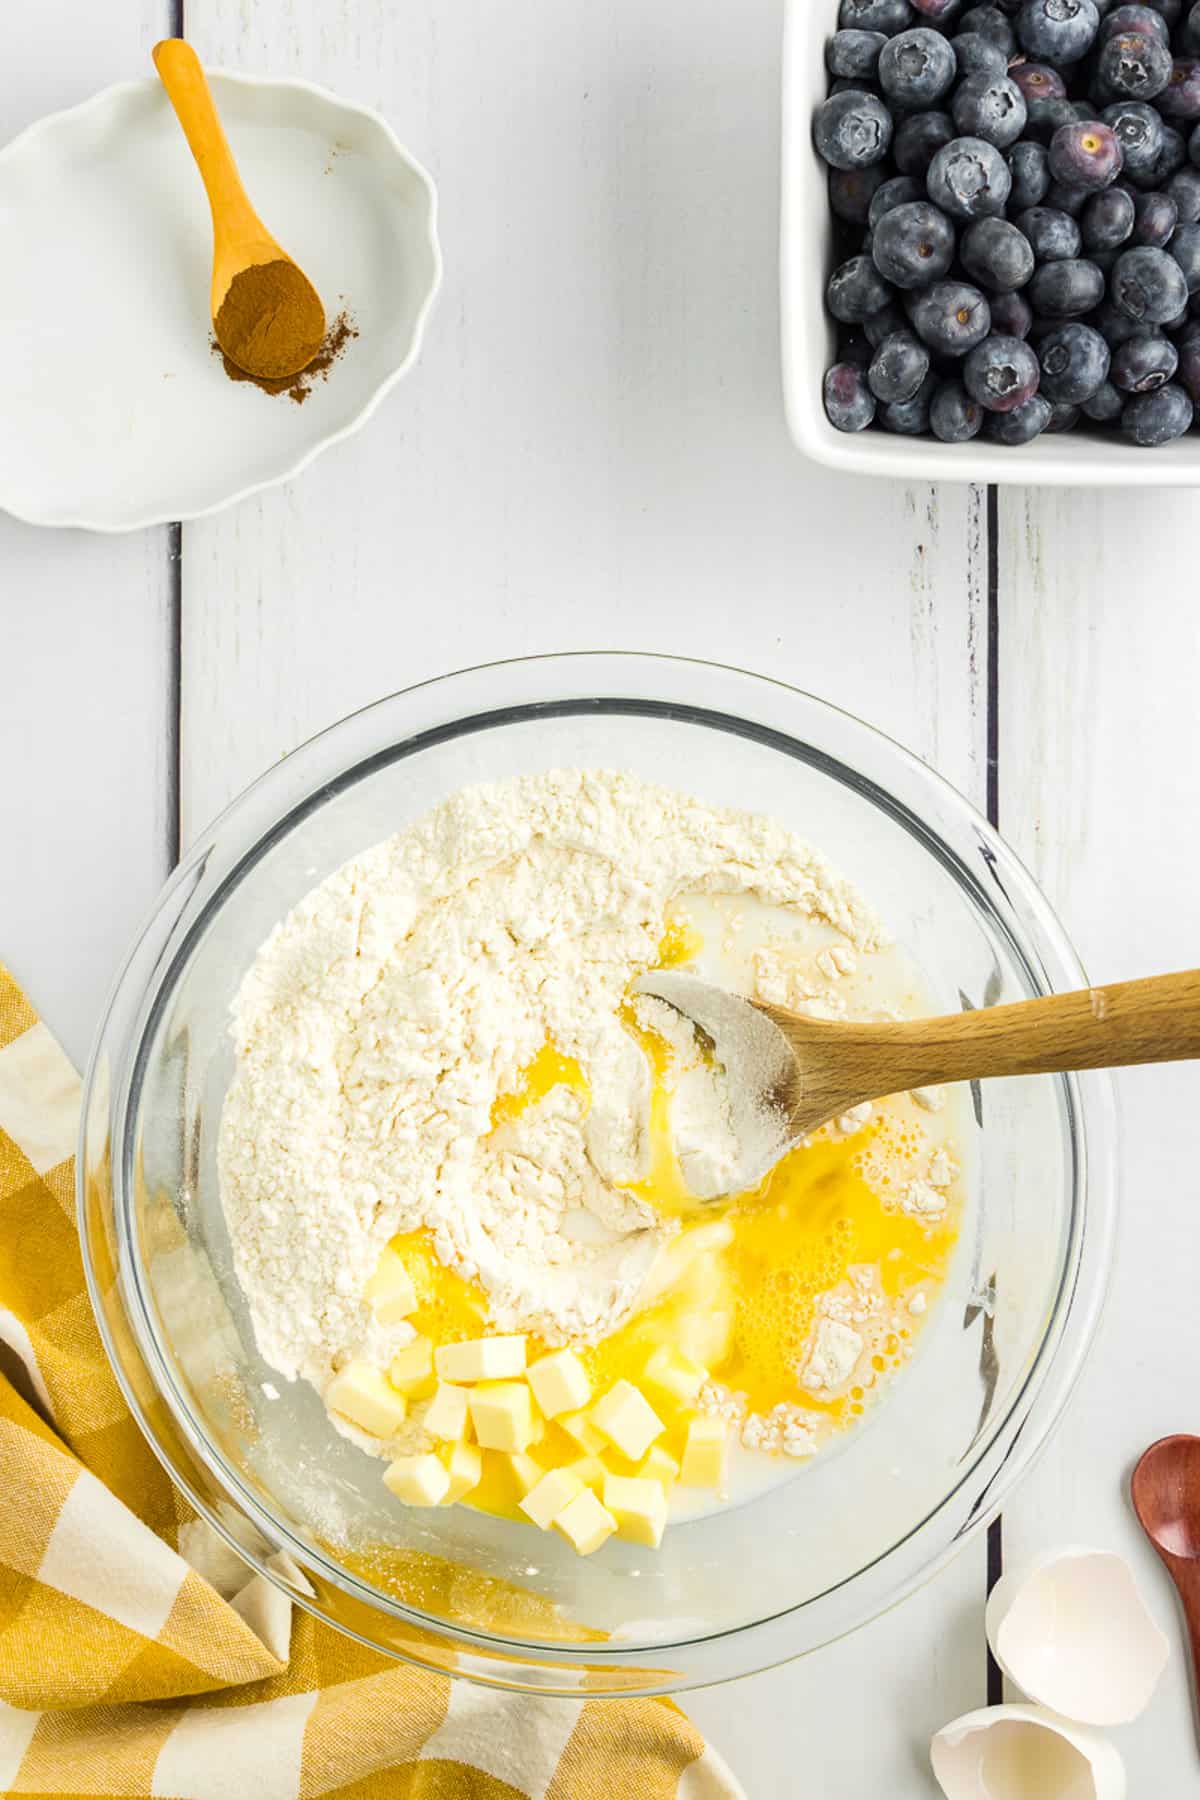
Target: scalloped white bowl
[[117, 413]]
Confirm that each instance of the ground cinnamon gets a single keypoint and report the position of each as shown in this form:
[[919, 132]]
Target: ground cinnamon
[[298, 387], [271, 322]]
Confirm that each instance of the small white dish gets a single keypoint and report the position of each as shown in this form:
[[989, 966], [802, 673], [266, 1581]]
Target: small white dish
[[1073, 1632], [1016, 1752], [117, 413], [1076, 459]]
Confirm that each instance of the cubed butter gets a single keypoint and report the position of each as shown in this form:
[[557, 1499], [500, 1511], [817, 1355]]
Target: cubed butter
[[547, 1498], [481, 1359], [627, 1419], [585, 1523], [390, 1292], [703, 1462], [446, 1414], [360, 1393], [464, 1466], [579, 1426], [525, 1471], [502, 1414], [418, 1480], [659, 1465], [560, 1383], [672, 1373], [589, 1470], [639, 1507], [412, 1364]]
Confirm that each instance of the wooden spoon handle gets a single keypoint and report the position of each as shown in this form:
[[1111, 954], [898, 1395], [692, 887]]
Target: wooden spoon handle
[[1156, 1020], [189, 93], [1185, 1573]]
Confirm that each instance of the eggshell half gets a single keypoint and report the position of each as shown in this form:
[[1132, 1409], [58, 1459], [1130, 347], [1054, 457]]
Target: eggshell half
[[1073, 1632], [1013, 1752]]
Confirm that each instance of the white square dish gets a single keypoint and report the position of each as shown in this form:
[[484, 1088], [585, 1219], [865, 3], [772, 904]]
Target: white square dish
[[1077, 459]]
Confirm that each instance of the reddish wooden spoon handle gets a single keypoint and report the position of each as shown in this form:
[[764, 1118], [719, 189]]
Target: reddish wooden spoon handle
[[1185, 1573]]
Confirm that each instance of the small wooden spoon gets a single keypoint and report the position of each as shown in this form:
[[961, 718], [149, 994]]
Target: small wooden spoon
[[240, 239], [1166, 1499], [788, 1074]]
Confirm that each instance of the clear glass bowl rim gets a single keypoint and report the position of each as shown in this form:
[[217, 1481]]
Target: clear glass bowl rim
[[575, 680]]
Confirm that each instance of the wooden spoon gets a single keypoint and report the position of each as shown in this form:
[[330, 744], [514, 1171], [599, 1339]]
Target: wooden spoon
[[241, 242], [1166, 1499], [788, 1074]]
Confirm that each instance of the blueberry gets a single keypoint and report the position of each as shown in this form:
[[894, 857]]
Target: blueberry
[[1171, 10], [896, 192], [1012, 315], [1148, 285], [1105, 405], [1037, 81], [951, 317], [1065, 290], [913, 244], [990, 23], [1055, 236], [1185, 249], [882, 324], [1155, 218], [1062, 417], [1107, 219], [1002, 373], [1189, 362], [888, 16], [1144, 363], [1158, 418], [1142, 19], [1058, 31], [910, 418], [849, 402], [1184, 189], [917, 67], [990, 107], [919, 138], [997, 255], [852, 130], [854, 54], [1020, 427], [1060, 197], [941, 10], [977, 55], [954, 417], [1141, 134], [856, 290], [1181, 98], [851, 192], [1132, 66], [969, 179], [1030, 172], [1114, 326], [1045, 117], [1086, 155], [1171, 156], [1191, 31], [898, 368], [1075, 360]]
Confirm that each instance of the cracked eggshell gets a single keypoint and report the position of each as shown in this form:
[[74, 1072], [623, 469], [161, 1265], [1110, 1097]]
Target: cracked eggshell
[[1013, 1752], [1073, 1632]]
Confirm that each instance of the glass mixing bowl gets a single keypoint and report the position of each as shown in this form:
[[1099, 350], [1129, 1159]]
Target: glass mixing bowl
[[494, 1601]]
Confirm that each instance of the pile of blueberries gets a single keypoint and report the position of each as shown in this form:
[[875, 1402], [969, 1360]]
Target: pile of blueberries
[[1016, 189]]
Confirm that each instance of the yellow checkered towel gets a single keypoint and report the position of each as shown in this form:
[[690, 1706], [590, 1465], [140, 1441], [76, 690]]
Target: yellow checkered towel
[[139, 1655]]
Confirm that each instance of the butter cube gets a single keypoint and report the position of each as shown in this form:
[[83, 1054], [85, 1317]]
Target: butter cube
[[580, 1427], [675, 1375], [360, 1393], [704, 1454], [546, 1500], [627, 1419], [412, 1364], [585, 1523], [638, 1506], [464, 1466], [560, 1383], [446, 1414], [481, 1359], [525, 1471], [502, 1414], [589, 1470], [659, 1465], [418, 1480], [390, 1292]]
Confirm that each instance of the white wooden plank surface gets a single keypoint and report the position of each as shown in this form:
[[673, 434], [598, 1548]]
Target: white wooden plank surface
[[85, 644], [1099, 773], [592, 454]]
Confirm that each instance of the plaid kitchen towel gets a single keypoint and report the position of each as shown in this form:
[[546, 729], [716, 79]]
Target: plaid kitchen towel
[[139, 1655]]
